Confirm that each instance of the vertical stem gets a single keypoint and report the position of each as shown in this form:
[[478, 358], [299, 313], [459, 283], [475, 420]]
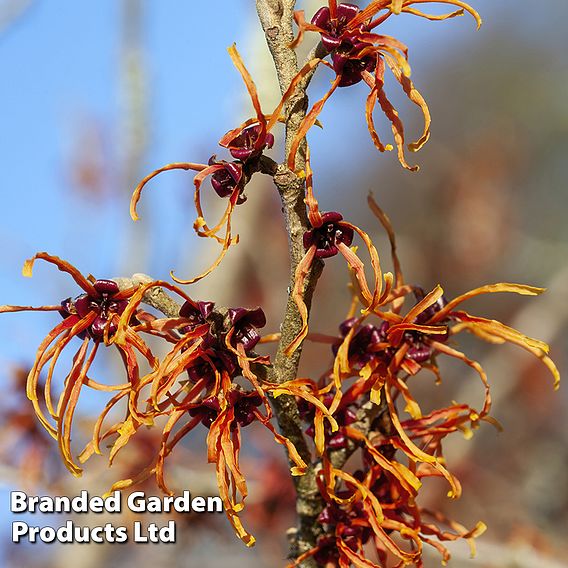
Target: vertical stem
[[276, 17]]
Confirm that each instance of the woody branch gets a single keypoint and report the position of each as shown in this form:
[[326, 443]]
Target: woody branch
[[276, 17]]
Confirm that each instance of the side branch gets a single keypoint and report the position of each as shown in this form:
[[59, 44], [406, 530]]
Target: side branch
[[156, 297]]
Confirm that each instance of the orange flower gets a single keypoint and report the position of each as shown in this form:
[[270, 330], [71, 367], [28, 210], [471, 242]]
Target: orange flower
[[246, 144], [214, 348], [331, 235], [358, 54], [92, 318], [376, 357]]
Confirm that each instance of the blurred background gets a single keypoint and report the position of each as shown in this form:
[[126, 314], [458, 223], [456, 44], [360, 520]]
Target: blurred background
[[94, 95]]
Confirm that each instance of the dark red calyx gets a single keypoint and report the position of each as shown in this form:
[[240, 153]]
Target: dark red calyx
[[419, 345], [244, 404], [196, 312], [202, 369], [420, 353], [225, 180], [336, 27], [245, 324], [364, 345], [348, 64], [332, 515], [217, 360], [109, 287], [329, 235], [250, 143], [208, 411], [351, 525], [328, 553], [103, 304]]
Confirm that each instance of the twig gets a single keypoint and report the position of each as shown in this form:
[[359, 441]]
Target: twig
[[155, 297]]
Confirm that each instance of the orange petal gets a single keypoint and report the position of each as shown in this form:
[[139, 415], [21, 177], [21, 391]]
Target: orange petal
[[302, 270], [308, 121], [138, 191]]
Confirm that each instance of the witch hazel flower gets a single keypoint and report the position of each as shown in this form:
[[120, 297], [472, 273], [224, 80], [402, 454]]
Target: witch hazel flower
[[226, 179], [105, 301], [358, 54], [249, 143], [245, 324], [333, 26], [367, 343], [98, 317], [243, 402], [329, 236], [246, 144], [223, 413], [371, 342], [241, 324]]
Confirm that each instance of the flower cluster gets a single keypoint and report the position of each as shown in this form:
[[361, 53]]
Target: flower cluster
[[358, 54], [375, 358], [91, 317], [208, 378], [373, 446], [246, 144]]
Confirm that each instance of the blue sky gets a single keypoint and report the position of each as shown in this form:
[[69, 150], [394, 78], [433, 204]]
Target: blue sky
[[60, 63]]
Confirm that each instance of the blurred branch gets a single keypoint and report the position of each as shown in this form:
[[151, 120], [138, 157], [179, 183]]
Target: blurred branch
[[134, 92], [133, 128], [11, 11]]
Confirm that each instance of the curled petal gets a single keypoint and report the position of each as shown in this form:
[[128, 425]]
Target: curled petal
[[521, 289], [302, 270], [12, 309], [353, 557], [167, 446], [249, 83], [433, 17], [73, 326], [68, 402], [138, 190], [458, 3], [94, 445], [404, 476], [64, 266], [300, 466], [314, 214], [389, 544], [227, 242], [374, 300], [303, 26], [396, 332], [417, 99], [396, 126], [358, 268], [308, 122], [386, 223], [496, 332], [369, 108], [307, 69], [415, 453]]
